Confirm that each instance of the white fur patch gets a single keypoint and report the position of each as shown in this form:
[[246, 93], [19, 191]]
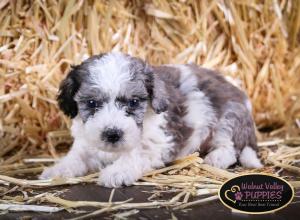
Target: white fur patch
[[154, 138], [129, 167], [73, 164], [188, 80], [200, 114], [221, 157], [125, 170], [248, 105], [248, 158], [236, 82], [110, 72]]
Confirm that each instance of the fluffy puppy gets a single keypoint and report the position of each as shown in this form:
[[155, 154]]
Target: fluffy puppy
[[129, 117]]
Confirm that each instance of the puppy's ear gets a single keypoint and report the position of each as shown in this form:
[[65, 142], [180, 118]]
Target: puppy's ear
[[157, 90], [68, 88]]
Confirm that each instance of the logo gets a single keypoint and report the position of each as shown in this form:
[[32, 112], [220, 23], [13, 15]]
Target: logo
[[256, 193]]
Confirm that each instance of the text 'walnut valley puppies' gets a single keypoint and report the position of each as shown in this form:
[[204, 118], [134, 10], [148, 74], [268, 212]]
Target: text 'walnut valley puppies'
[[130, 117]]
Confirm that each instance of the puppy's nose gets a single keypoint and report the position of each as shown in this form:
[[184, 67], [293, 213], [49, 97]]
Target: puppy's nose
[[112, 135]]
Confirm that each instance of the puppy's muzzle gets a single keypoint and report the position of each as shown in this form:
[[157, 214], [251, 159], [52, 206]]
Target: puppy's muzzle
[[112, 135]]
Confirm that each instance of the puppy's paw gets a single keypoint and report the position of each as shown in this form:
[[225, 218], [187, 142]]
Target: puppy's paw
[[59, 170], [220, 158], [248, 158], [115, 176]]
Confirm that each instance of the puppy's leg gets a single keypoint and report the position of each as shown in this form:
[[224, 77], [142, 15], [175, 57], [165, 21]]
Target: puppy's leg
[[223, 154], [128, 168], [234, 134], [70, 166]]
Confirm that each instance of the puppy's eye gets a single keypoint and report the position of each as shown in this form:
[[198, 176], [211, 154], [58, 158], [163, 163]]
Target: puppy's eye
[[93, 104], [133, 103]]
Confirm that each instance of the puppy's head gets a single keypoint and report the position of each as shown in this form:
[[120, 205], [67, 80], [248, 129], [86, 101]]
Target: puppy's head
[[109, 95]]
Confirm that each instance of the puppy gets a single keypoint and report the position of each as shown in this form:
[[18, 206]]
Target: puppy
[[129, 117]]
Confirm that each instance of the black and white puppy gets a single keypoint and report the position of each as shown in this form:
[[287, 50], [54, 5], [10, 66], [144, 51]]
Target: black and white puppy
[[130, 117]]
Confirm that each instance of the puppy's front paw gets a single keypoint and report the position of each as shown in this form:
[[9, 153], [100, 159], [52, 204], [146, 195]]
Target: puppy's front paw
[[58, 170], [114, 176]]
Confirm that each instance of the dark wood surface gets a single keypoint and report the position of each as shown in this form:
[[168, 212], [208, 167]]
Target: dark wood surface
[[213, 210]]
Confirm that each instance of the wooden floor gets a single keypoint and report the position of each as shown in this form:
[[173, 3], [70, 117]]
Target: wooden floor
[[214, 210]]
